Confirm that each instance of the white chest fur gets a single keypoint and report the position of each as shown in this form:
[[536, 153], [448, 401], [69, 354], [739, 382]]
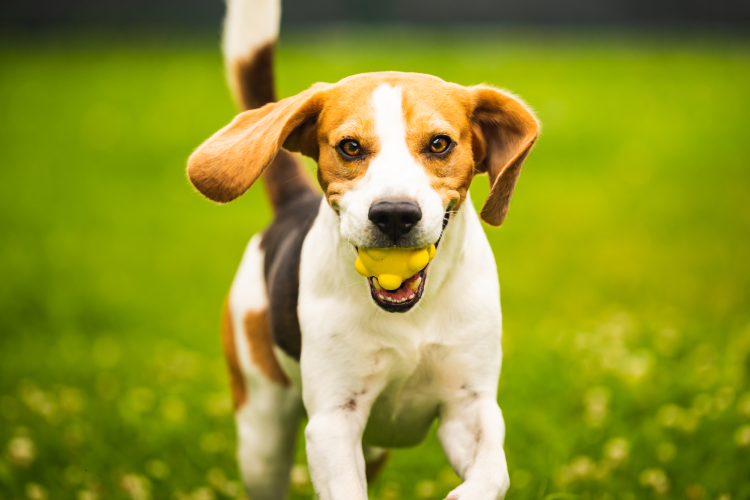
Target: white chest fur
[[396, 370]]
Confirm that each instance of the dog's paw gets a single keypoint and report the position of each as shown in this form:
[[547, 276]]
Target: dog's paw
[[480, 490]]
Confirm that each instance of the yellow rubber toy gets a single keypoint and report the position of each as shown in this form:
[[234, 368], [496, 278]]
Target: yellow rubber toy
[[393, 266]]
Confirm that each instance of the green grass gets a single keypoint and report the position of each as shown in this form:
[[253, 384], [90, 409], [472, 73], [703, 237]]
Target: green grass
[[624, 264]]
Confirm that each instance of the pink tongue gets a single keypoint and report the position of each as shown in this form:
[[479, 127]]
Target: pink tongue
[[403, 293]]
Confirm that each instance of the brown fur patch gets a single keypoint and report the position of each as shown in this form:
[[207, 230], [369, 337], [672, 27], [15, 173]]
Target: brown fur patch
[[261, 347], [253, 78], [236, 379]]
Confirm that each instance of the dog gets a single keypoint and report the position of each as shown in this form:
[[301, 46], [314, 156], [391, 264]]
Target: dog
[[302, 331]]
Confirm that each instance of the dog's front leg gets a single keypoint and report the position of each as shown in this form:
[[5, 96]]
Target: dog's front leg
[[338, 395], [334, 455], [472, 433]]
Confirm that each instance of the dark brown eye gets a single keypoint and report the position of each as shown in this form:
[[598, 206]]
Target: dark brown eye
[[350, 147], [440, 144]]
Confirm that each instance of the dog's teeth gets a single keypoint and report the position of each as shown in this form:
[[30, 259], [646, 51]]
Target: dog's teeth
[[376, 284], [389, 299], [380, 296], [411, 296], [414, 285]]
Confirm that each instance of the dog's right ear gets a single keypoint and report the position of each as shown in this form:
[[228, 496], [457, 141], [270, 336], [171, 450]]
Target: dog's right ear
[[231, 160]]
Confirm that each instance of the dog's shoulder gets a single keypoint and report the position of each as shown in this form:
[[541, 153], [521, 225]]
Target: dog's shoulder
[[282, 247]]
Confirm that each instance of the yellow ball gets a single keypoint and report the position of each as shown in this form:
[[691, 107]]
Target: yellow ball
[[389, 281], [393, 266], [417, 261]]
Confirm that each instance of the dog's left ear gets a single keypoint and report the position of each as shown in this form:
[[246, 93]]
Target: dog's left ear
[[504, 130]]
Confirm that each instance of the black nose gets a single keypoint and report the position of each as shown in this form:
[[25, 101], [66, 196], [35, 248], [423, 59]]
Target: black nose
[[395, 217]]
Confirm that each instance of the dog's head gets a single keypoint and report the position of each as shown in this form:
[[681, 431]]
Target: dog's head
[[396, 154]]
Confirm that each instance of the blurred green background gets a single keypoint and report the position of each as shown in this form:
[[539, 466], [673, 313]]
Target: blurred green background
[[624, 263]]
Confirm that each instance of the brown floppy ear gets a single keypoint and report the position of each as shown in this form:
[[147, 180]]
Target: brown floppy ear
[[504, 132], [231, 160]]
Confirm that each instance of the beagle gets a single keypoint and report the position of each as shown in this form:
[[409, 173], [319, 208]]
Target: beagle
[[305, 333]]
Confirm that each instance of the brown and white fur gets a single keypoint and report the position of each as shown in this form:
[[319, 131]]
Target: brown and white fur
[[303, 332]]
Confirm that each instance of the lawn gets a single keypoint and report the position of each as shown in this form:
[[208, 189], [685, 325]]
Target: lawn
[[624, 264]]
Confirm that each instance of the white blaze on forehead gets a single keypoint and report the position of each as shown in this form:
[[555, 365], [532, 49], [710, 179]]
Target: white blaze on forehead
[[389, 117], [394, 163]]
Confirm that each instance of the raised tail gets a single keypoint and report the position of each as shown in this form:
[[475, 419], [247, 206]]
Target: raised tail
[[250, 32]]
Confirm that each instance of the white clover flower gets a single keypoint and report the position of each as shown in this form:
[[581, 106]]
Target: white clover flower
[[742, 436], [637, 365], [233, 489], [36, 491], [21, 451], [136, 487], [656, 479], [425, 489], [299, 476], [617, 449], [582, 467], [87, 495], [595, 401], [669, 415], [39, 401], [203, 493]]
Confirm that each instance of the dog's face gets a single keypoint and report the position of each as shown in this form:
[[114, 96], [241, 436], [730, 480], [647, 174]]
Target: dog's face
[[396, 154]]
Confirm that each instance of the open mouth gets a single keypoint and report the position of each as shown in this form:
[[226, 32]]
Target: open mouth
[[401, 299], [411, 290]]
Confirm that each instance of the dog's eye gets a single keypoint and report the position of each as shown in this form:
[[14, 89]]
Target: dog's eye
[[350, 147], [440, 144]]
